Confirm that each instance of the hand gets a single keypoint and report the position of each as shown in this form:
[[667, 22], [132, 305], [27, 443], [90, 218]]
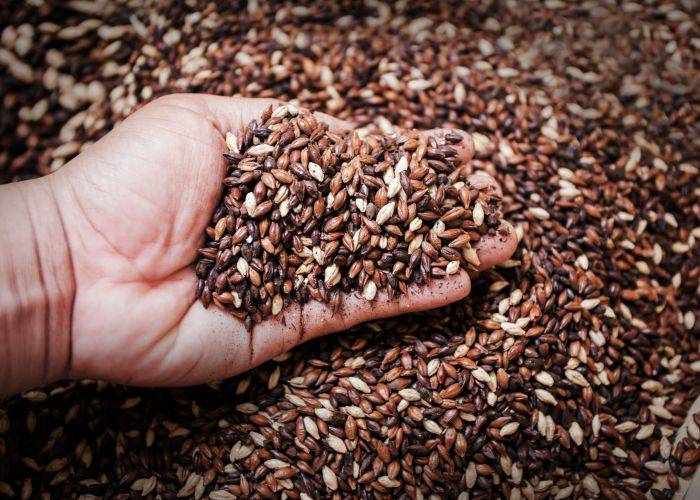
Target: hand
[[134, 208]]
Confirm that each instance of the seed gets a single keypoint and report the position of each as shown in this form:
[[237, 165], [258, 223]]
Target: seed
[[311, 427], [431, 426], [471, 257], [275, 464], [221, 495], [596, 425], [625, 427], [359, 385], [577, 378], [540, 213], [336, 444], [590, 484], [433, 367], [329, 478], [544, 378], [354, 411], [370, 291], [645, 432], [242, 266], [277, 304], [232, 142], [478, 214], [691, 457], [260, 150], [516, 473], [316, 172], [589, 304], [665, 448], [545, 396], [509, 428], [324, 414], [660, 411], [576, 433], [410, 394], [394, 188], [656, 466], [452, 267], [332, 276], [239, 452], [470, 475], [247, 408], [250, 204], [388, 482], [481, 375], [385, 213], [512, 328]]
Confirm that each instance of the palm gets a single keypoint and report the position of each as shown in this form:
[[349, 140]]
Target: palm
[[142, 215]]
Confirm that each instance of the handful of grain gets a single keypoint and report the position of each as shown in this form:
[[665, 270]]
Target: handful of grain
[[307, 214]]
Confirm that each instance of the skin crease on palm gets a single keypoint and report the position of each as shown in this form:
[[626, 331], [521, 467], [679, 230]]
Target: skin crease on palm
[[135, 206]]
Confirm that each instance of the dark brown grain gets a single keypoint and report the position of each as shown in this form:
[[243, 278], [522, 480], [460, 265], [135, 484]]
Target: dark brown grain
[[587, 115], [372, 215]]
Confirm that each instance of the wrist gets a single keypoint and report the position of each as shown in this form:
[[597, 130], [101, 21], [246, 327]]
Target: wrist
[[36, 273]]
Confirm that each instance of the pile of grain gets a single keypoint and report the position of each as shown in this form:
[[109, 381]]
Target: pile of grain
[[568, 370], [309, 214]]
